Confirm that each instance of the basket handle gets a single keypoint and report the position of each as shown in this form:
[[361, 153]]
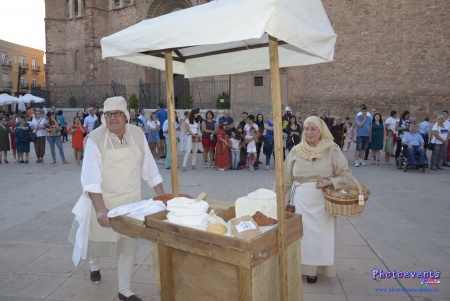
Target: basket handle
[[350, 176]]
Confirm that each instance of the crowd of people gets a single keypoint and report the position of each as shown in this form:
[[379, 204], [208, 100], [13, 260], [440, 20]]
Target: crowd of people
[[38, 125], [228, 144]]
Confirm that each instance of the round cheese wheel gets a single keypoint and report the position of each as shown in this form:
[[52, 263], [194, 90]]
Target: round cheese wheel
[[217, 228]]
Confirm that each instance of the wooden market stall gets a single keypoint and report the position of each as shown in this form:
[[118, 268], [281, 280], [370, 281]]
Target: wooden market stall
[[228, 37]]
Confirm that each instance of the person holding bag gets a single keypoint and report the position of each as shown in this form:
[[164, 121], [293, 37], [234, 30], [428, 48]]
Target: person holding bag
[[193, 130], [309, 167], [22, 132], [54, 137]]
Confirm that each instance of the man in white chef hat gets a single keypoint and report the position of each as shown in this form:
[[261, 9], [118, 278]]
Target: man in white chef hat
[[116, 158]]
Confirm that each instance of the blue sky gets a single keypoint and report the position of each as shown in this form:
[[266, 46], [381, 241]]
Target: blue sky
[[22, 22]]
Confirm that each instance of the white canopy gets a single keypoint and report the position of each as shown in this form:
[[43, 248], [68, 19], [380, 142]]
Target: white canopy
[[6, 99], [30, 98], [204, 37], [228, 37]]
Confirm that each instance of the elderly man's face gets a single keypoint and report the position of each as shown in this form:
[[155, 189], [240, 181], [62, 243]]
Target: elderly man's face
[[115, 122], [413, 129], [226, 113]]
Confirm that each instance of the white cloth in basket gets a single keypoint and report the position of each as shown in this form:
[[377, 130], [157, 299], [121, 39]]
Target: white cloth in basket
[[182, 206]]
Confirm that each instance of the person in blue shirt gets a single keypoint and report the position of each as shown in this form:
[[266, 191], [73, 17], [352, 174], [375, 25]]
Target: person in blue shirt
[[161, 114], [229, 122], [363, 135], [415, 143]]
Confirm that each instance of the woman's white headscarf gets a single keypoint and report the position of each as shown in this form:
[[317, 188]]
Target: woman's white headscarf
[[308, 152]]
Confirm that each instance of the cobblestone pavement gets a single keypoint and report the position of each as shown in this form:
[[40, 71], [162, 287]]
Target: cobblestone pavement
[[404, 228]]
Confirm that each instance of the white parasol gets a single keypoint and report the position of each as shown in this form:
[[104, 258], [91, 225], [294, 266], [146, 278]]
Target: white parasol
[[6, 99]]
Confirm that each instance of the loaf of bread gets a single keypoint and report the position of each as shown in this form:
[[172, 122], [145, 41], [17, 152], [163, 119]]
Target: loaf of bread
[[217, 228]]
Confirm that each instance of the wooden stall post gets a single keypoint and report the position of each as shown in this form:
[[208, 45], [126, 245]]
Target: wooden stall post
[[279, 166], [172, 129]]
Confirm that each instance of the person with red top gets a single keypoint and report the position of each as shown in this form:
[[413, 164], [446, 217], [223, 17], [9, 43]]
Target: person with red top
[[223, 155], [77, 130]]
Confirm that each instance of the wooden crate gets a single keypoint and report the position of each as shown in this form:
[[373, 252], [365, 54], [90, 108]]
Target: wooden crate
[[198, 265]]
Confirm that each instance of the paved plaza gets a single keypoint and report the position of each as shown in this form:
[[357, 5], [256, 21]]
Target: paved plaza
[[405, 227]]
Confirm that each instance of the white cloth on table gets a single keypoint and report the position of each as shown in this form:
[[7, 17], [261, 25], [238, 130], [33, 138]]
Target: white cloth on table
[[187, 220], [262, 200], [182, 206], [138, 210]]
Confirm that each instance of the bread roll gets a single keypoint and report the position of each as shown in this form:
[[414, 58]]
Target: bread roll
[[217, 228]]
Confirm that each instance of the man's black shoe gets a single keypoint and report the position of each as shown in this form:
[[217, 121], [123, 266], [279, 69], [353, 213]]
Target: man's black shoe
[[199, 152], [446, 164]]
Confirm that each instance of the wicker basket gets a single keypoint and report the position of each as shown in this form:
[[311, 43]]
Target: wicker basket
[[339, 204]]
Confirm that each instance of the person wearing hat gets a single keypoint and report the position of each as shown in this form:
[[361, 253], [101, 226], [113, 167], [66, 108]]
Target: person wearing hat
[[116, 158], [317, 162]]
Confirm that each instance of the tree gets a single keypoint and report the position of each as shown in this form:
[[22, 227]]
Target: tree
[[72, 101], [134, 102], [186, 101], [223, 101]]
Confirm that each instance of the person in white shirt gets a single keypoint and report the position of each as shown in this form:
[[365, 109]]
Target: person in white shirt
[[38, 124], [194, 138], [440, 139], [447, 126], [143, 119], [389, 124], [165, 129], [116, 158], [89, 121], [184, 135]]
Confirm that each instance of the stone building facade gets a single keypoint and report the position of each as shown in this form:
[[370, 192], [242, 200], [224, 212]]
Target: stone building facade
[[390, 54]]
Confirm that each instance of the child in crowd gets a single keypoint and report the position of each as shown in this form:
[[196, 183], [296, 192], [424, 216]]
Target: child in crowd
[[133, 121], [350, 135], [235, 146], [250, 140], [388, 147]]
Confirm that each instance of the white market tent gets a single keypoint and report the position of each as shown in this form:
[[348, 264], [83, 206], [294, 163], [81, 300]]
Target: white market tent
[[6, 99], [228, 37], [30, 98]]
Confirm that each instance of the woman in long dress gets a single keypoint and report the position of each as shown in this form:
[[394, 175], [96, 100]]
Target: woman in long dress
[[377, 138], [4, 139], [312, 165], [223, 155]]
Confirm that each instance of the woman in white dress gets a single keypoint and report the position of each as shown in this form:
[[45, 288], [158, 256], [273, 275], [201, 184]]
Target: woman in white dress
[[312, 165]]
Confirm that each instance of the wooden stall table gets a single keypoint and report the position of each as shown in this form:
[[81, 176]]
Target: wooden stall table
[[195, 265]]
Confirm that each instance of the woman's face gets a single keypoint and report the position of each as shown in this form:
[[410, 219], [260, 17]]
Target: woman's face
[[260, 117], [80, 114], [406, 116], [312, 133], [377, 117], [153, 116], [293, 120], [209, 115], [77, 120]]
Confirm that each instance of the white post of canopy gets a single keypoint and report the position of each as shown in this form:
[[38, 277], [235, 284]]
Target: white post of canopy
[[279, 166], [172, 128]]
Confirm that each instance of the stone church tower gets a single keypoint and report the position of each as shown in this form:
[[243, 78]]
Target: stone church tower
[[389, 54]]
